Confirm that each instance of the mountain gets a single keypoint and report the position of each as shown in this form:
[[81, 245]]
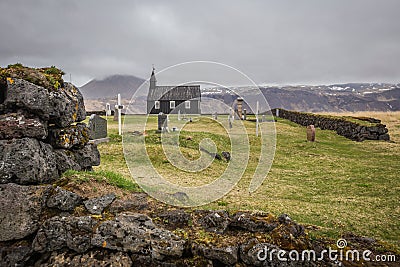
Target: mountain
[[329, 98], [310, 98], [110, 86]]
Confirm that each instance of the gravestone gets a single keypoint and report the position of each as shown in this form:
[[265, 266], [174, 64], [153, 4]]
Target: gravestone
[[277, 112], [215, 115], [116, 115], [310, 133], [162, 122], [239, 107], [230, 119], [97, 127], [108, 109]]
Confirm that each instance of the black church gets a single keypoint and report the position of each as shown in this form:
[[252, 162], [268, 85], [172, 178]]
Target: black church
[[171, 99]]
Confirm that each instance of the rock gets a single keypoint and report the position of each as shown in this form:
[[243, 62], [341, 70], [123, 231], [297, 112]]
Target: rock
[[97, 205], [128, 232], [61, 106], [165, 244], [15, 255], [290, 235], [76, 136], [87, 156], [20, 210], [135, 201], [225, 255], [175, 218], [65, 160], [255, 253], [251, 251], [63, 200], [14, 125], [27, 161], [214, 221], [27, 96], [385, 137], [59, 232], [226, 155], [136, 233], [92, 258], [284, 219], [253, 223], [67, 106]]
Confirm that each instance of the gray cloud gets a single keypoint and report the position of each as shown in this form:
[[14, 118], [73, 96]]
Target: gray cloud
[[307, 41]]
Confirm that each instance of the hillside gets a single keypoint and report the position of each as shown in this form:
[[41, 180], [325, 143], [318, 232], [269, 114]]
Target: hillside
[[110, 86]]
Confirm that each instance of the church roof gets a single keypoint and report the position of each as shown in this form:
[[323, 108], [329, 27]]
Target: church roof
[[181, 92]]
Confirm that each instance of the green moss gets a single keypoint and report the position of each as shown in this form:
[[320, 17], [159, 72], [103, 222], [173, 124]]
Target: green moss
[[49, 78]]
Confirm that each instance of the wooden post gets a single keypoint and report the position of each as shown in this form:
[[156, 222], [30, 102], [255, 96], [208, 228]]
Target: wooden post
[[119, 115], [257, 119]]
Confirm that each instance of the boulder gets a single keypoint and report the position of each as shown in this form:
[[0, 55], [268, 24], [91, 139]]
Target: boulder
[[214, 221], [127, 232], [135, 201], [15, 125], [15, 255], [27, 161], [92, 258], [24, 95], [75, 136], [87, 156], [65, 160], [62, 106], [289, 235], [77, 159], [253, 223], [63, 199], [20, 210], [64, 232], [97, 205], [67, 106], [228, 255], [175, 218], [136, 233], [165, 244]]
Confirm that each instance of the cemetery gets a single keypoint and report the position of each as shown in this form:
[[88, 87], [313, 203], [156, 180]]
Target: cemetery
[[69, 200]]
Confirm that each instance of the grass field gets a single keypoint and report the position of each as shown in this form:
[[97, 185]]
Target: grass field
[[334, 183]]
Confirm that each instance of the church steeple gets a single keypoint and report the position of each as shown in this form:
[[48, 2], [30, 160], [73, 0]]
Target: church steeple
[[153, 81]]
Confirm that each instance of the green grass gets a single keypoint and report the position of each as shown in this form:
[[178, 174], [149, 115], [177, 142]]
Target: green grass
[[334, 183], [112, 178]]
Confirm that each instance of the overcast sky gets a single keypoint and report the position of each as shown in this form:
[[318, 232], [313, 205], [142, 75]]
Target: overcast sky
[[308, 41]]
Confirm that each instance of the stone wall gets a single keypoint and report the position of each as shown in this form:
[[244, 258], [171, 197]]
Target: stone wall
[[366, 129], [40, 133]]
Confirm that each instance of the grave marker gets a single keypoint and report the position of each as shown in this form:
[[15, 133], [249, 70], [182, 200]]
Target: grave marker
[[108, 109], [239, 107], [97, 127], [162, 122], [215, 115], [310, 133], [257, 106]]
